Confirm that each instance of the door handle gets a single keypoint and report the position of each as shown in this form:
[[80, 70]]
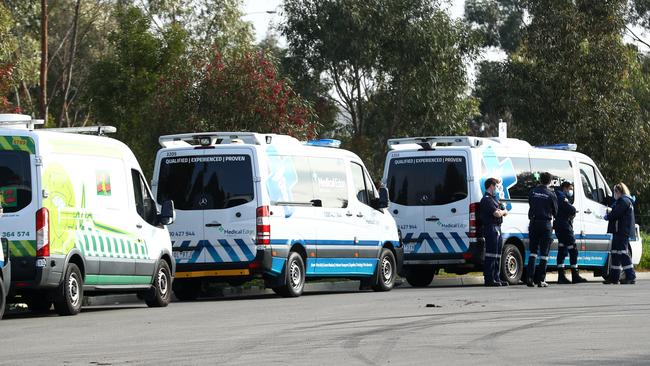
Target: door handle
[[359, 214], [432, 219], [588, 211], [213, 224], [139, 226], [348, 214]]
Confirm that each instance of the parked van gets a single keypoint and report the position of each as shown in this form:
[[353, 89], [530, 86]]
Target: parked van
[[5, 274], [268, 205], [79, 218], [436, 183]]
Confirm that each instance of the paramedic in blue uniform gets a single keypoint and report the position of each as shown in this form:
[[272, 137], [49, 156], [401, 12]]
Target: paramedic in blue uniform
[[491, 215], [542, 210], [622, 226], [563, 226]]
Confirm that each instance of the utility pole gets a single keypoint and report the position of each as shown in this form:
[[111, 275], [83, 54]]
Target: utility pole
[[43, 96]]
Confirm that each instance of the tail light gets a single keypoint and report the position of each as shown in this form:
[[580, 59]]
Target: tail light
[[43, 233], [263, 226], [473, 210]]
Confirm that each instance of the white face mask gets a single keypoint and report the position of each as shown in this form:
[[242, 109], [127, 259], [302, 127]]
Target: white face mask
[[570, 193]]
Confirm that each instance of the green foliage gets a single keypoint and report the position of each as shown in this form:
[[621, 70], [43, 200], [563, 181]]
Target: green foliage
[[500, 22], [572, 80], [644, 264], [397, 67]]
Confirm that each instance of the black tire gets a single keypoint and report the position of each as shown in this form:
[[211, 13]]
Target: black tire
[[386, 271], [294, 277], [3, 299], [419, 276], [512, 264], [38, 302], [70, 293], [187, 290], [161, 291]]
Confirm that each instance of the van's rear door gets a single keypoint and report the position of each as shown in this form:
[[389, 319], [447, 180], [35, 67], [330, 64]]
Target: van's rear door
[[18, 196], [446, 201], [179, 180], [406, 186], [230, 211]]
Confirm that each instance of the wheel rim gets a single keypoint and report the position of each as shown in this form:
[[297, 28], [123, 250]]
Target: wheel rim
[[163, 283], [512, 265], [295, 273], [387, 270], [73, 290]]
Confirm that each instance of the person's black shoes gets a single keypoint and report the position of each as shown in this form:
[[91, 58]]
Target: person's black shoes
[[610, 282], [561, 278], [530, 283], [575, 277], [628, 282], [492, 284], [542, 284], [504, 283]]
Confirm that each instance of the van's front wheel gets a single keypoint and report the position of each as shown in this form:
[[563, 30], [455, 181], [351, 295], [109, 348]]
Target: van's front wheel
[[70, 293], [295, 277], [420, 276], [161, 292], [512, 264], [386, 271]]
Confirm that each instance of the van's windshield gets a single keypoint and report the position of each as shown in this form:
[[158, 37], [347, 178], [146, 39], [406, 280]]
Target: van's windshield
[[427, 181], [15, 181], [206, 182]]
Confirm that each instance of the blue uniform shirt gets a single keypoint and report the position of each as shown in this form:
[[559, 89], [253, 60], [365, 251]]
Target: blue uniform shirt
[[488, 206], [543, 204], [621, 219], [565, 212]]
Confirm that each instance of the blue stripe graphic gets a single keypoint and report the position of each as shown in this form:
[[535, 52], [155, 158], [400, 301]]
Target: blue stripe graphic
[[231, 252], [459, 241], [245, 249], [446, 242]]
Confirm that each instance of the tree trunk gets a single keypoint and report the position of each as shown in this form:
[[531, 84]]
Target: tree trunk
[[43, 96], [68, 70]]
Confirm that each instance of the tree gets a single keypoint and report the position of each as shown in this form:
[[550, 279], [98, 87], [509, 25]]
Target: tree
[[395, 67], [572, 80]]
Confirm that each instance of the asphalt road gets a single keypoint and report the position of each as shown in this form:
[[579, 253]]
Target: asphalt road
[[588, 324]]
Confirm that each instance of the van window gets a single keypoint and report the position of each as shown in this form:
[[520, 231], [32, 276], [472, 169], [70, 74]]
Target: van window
[[525, 179], [592, 185], [427, 181], [364, 189], [561, 170], [330, 180], [15, 180], [206, 182], [144, 202]]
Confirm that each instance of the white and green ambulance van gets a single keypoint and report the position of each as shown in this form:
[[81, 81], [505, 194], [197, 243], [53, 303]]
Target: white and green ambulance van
[[79, 218]]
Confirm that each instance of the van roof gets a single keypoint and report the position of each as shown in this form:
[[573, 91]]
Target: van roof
[[410, 143]]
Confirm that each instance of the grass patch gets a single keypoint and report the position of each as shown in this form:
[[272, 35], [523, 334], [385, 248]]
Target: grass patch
[[645, 256]]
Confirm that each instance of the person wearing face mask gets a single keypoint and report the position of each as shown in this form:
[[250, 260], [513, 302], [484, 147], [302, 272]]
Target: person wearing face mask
[[563, 226], [542, 209], [491, 214], [622, 225]]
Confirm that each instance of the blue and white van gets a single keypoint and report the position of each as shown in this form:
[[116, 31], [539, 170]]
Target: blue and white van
[[269, 205], [436, 183]]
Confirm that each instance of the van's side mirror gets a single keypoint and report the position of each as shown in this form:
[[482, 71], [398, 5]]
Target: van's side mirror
[[382, 201], [167, 213]]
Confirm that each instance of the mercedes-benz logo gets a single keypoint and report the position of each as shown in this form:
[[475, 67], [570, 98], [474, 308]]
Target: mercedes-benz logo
[[203, 201]]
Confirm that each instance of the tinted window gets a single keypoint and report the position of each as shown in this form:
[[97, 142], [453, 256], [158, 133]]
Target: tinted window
[[561, 170], [206, 182], [427, 181], [15, 180], [591, 185], [330, 182], [525, 179], [144, 203], [360, 190]]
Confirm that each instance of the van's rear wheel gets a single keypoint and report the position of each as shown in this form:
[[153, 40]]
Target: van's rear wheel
[[3, 299], [386, 271], [419, 276], [512, 264], [38, 302], [187, 290], [295, 277], [161, 292], [70, 293]]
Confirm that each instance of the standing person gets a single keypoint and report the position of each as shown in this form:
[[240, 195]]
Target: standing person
[[563, 226], [491, 217], [622, 226], [543, 208]]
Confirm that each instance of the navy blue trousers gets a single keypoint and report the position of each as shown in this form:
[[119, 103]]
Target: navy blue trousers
[[566, 245], [493, 246], [540, 234], [621, 260]]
